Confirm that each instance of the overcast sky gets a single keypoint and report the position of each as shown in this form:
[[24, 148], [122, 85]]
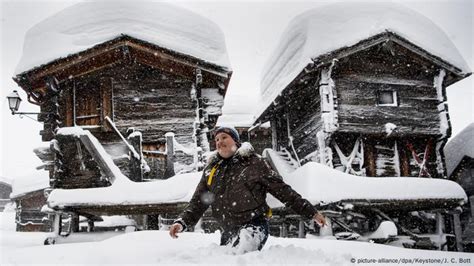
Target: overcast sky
[[252, 30]]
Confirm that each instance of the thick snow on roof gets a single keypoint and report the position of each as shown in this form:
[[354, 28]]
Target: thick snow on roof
[[320, 183], [36, 180], [84, 25], [459, 146], [326, 29], [236, 120]]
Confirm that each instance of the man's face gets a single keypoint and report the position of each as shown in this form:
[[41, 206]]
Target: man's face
[[226, 146]]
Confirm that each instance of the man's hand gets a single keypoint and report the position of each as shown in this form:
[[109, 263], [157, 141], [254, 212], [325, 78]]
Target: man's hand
[[175, 229], [320, 219]]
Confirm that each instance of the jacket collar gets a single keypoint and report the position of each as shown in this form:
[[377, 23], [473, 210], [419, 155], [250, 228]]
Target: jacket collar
[[245, 151]]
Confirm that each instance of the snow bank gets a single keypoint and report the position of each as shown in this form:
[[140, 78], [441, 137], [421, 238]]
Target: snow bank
[[323, 30], [458, 147], [84, 25], [320, 183], [157, 248]]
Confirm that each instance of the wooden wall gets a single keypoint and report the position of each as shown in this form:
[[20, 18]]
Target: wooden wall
[[360, 77], [150, 100], [29, 216]]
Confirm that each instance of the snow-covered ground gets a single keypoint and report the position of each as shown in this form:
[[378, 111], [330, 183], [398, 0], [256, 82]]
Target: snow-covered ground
[[156, 247]]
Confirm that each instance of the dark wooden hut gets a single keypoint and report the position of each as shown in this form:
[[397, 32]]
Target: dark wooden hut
[[140, 85], [375, 106], [148, 81], [367, 97]]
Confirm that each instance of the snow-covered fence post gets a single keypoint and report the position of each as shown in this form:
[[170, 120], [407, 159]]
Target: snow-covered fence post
[[283, 228], [301, 233], [136, 171], [169, 154]]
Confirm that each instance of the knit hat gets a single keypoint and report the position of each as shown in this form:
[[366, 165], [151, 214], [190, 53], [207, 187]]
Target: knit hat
[[231, 131]]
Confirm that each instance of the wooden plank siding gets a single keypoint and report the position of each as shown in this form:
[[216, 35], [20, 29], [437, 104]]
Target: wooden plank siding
[[359, 77]]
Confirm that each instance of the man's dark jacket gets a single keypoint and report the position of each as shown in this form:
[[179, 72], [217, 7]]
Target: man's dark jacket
[[238, 191]]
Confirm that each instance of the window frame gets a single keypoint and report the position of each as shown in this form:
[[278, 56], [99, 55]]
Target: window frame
[[394, 97]]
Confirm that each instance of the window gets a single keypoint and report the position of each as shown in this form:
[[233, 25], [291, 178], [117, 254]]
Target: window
[[387, 98]]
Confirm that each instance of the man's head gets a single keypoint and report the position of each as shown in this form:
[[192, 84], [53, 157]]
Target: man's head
[[227, 141]]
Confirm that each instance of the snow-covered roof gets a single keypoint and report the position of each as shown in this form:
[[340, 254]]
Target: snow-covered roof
[[235, 120], [34, 181], [458, 147], [5, 180], [319, 183], [323, 30], [87, 24]]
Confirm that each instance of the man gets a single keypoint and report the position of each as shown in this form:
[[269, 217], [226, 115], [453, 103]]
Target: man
[[235, 183]]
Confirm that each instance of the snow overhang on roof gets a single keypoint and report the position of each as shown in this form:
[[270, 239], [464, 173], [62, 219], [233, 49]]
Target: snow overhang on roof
[[159, 26], [316, 34], [460, 146], [35, 181]]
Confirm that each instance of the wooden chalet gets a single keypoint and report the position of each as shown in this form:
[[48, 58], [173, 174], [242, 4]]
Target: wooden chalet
[[29, 216], [29, 194], [149, 105], [139, 85], [375, 106]]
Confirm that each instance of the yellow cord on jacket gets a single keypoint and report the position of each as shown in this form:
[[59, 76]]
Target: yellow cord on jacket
[[213, 171]]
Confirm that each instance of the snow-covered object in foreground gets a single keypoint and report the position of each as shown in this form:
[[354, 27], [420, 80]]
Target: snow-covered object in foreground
[[458, 147], [316, 182], [84, 25], [179, 188], [141, 247], [320, 31], [319, 183], [385, 230]]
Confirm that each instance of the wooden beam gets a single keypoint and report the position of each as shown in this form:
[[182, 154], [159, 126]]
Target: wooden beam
[[92, 149]]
